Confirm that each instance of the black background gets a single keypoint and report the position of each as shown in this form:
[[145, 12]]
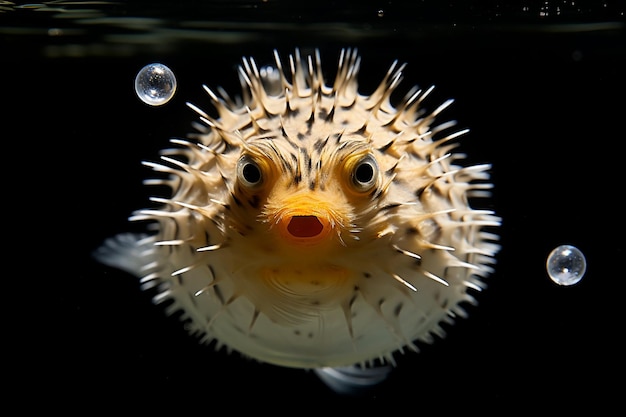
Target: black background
[[543, 97]]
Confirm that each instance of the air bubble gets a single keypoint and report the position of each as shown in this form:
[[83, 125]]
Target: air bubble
[[155, 84], [566, 265]]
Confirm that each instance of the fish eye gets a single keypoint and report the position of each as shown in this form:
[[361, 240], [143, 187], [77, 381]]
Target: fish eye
[[249, 172], [365, 173]]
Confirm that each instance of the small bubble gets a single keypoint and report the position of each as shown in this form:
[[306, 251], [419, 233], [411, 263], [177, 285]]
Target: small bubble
[[566, 265], [381, 13], [155, 84]]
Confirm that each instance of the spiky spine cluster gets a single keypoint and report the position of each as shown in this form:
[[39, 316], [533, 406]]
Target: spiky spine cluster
[[404, 253]]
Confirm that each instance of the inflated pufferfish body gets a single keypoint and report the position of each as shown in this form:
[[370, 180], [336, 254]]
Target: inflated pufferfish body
[[312, 226]]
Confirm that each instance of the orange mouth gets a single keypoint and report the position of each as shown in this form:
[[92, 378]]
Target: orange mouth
[[303, 218], [306, 229], [304, 226]]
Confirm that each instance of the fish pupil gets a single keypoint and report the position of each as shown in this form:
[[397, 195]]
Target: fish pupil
[[364, 173], [251, 173]]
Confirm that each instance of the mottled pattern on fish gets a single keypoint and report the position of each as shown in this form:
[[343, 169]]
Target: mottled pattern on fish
[[311, 225]]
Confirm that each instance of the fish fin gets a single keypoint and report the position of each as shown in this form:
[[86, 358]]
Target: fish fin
[[353, 380], [125, 251]]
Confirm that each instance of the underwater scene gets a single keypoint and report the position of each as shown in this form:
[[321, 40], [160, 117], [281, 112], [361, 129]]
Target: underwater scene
[[331, 202]]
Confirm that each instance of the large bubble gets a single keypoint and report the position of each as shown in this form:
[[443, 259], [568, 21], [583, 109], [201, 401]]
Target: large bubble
[[566, 265], [155, 84]]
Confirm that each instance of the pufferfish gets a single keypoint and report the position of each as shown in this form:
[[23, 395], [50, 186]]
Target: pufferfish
[[312, 226]]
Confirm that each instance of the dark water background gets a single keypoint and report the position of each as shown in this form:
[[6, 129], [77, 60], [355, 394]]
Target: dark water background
[[540, 85]]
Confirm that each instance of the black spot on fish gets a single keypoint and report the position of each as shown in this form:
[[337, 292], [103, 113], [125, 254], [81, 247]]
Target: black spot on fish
[[331, 115], [389, 207], [236, 200], [397, 309], [218, 293], [385, 147], [320, 144], [254, 201]]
